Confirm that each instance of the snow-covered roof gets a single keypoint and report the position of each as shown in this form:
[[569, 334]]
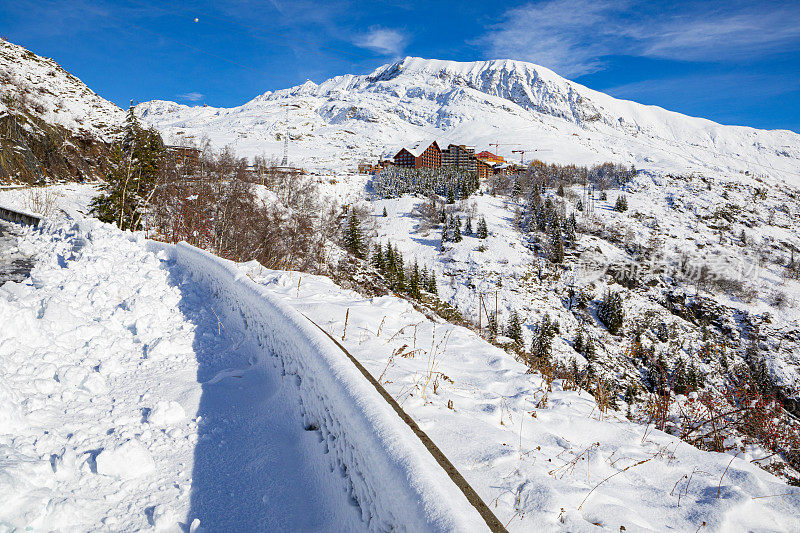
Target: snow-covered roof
[[417, 148]]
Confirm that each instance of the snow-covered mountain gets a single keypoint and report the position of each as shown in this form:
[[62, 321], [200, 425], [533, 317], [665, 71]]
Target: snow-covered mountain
[[348, 118], [53, 126], [55, 95]]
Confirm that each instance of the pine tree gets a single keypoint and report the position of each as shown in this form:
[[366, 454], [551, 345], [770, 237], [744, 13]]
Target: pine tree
[[451, 196], [468, 226], [385, 214], [541, 345], [603, 196], [560, 191], [578, 344], [570, 229], [456, 229], [414, 281], [431, 288], [132, 177], [399, 271], [377, 258], [622, 203], [483, 230], [516, 190], [579, 206], [556, 244], [353, 238], [389, 259], [611, 312], [588, 349], [514, 328]]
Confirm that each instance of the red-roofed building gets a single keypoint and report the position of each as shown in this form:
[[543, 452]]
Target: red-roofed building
[[490, 157]]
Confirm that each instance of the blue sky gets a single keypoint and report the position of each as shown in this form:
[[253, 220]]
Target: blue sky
[[734, 62]]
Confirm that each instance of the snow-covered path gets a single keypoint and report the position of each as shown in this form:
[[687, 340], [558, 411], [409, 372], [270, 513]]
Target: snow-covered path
[[255, 467], [106, 423]]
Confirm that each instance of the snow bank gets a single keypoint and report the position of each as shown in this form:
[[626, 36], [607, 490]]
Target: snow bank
[[395, 481]]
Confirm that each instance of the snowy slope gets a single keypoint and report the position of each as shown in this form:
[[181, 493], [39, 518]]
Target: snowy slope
[[55, 95], [348, 118], [535, 453]]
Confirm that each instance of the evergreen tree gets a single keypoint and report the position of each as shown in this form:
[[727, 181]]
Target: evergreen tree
[[514, 328], [431, 288], [414, 281], [579, 206], [622, 203], [135, 167], [468, 226], [578, 344], [482, 231], [353, 238], [560, 191], [603, 196], [516, 190], [611, 312], [451, 196], [556, 244], [456, 229], [389, 259], [570, 229], [541, 345], [385, 214], [377, 258], [588, 349]]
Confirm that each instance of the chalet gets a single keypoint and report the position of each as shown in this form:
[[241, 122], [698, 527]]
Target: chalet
[[421, 155]]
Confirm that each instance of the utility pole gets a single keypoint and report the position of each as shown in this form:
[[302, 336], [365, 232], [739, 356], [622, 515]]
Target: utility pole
[[285, 160]]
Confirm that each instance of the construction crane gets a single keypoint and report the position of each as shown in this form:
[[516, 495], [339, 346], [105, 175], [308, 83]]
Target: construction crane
[[521, 155], [522, 151], [498, 145]]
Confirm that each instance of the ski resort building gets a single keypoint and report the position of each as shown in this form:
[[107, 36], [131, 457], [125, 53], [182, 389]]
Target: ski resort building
[[490, 157], [459, 155], [424, 154]]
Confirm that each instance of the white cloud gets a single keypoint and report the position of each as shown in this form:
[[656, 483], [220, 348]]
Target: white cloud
[[383, 41], [192, 97], [574, 37]]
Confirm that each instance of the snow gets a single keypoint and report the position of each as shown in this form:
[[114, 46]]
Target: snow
[[57, 96], [334, 124], [138, 393], [534, 452], [127, 461]]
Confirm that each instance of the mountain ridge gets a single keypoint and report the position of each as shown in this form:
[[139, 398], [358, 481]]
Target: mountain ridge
[[504, 101]]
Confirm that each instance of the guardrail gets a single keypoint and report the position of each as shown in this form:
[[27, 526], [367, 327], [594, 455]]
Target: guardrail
[[19, 217]]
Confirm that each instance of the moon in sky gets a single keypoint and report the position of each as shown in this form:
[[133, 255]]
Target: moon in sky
[[196, 19]]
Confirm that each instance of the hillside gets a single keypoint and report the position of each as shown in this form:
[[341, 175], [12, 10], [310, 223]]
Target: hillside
[[53, 126], [348, 118]]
